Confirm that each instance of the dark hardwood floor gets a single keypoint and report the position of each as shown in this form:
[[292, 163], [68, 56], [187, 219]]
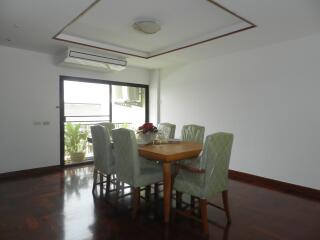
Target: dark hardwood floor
[[61, 206]]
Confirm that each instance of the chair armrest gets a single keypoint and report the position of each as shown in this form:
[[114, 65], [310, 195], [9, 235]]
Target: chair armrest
[[190, 168]]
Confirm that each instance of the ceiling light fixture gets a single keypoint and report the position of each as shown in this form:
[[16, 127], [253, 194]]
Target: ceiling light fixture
[[147, 26]]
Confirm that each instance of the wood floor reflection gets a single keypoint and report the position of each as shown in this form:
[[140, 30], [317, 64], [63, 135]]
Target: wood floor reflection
[[61, 206]]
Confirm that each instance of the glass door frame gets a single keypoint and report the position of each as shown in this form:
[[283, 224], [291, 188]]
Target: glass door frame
[[63, 78]]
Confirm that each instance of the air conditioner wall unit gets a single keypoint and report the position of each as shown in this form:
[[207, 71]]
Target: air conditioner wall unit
[[91, 60]]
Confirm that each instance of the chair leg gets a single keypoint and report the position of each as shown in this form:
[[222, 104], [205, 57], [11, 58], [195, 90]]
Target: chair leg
[[226, 204], [136, 201], [192, 202], [108, 182], [101, 183], [95, 174], [118, 184], [204, 216], [156, 190], [148, 193], [101, 179], [178, 199], [122, 187]]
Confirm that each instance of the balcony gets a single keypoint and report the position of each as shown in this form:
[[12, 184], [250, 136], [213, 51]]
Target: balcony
[[85, 122]]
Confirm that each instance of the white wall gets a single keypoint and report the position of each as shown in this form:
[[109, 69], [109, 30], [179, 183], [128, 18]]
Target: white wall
[[29, 92], [268, 97], [154, 92]]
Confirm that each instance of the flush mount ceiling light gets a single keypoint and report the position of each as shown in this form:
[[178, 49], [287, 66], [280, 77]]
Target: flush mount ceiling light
[[147, 26]]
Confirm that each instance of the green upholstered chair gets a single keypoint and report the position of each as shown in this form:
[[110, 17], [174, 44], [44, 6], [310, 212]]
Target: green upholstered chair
[[208, 176], [109, 126], [129, 165], [104, 164], [192, 133], [167, 130]]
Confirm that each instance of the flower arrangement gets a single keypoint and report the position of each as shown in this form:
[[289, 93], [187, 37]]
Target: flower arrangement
[[147, 127]]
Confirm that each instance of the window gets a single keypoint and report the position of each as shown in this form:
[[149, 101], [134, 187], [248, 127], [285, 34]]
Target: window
[[84, 102]]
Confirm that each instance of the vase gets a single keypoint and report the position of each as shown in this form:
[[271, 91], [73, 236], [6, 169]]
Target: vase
[[77, 156], [147, 137]]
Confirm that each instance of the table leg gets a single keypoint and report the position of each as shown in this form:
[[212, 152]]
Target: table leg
[[166, 191]]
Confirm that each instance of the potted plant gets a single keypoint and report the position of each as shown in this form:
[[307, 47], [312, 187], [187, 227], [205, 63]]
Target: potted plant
[[75, 142], [147, 132]]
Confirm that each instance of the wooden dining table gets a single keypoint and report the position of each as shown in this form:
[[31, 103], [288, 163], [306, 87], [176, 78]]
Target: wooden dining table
[[168, 154]]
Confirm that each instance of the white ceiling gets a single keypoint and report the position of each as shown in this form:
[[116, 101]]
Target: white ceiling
[[31, 24], [109, 23]]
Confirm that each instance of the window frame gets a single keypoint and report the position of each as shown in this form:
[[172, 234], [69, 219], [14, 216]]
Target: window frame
[[63, 78]]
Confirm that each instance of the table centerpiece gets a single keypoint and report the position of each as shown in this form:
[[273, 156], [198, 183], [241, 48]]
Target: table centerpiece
[[147, 132]]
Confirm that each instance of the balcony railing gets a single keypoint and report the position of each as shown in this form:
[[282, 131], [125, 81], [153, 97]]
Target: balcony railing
[[85, 123]]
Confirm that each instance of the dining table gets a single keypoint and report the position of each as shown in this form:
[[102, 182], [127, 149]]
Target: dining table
[[168, 154]]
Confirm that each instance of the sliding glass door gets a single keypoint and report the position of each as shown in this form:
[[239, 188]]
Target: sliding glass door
[[128, 106], [85, 102]]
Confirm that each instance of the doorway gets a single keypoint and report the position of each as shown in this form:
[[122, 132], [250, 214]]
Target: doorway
[[85, 102]]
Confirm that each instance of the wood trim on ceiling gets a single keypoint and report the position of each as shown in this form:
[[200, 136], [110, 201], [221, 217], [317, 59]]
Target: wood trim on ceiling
[[289, 188], [76, 18], [252, 25]]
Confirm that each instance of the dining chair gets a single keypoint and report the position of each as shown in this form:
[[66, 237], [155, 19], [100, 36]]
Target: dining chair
[[208, 176], [129, 167], [192, 133], [104, 163], [167, 130], [109, 126]]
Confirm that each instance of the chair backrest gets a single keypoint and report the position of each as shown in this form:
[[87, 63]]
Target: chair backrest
[[102, 149], [167, 130], [192, 133], [109, 126], [215, 160], [126, 155]]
